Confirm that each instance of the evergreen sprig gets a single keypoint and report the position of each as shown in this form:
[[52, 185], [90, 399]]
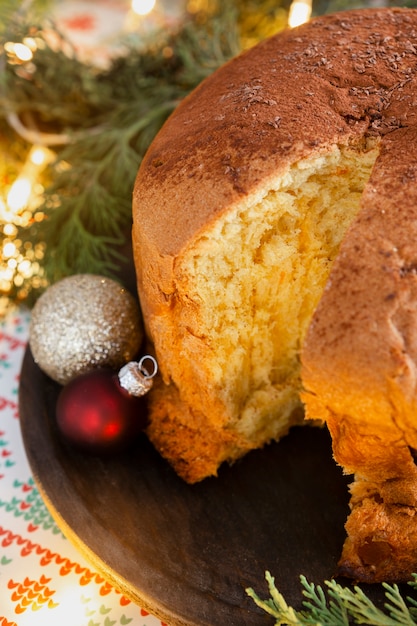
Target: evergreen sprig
[[340, 606], [107, 119]]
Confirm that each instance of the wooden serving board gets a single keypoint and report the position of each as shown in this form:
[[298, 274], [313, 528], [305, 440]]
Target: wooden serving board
[[187, 553]]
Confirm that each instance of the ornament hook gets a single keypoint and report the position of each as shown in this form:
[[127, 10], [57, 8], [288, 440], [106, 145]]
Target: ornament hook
[[135, 378], [143, 369]]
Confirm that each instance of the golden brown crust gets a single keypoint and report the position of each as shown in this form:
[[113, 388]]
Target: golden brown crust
[[292, 95], [332, 81], [306, 88]]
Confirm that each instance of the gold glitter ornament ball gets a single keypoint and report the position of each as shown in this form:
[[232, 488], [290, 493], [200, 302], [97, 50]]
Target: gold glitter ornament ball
[[82, 323]]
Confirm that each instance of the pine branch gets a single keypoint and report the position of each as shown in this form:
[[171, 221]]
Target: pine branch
[[321, 611], [364, 611], [276, 606], [341, 606], [107, 120]]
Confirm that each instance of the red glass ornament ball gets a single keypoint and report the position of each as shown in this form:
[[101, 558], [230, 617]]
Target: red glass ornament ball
[[95, 413]]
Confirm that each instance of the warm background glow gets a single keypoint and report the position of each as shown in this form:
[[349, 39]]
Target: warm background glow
[[143, 7], [20, 197], [300, 12]]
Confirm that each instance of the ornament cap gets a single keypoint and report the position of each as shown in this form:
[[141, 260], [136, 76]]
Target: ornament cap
[[135, 378]]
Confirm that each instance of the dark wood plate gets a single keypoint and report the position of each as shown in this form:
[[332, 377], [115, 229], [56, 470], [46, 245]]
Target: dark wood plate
[[187, 553]]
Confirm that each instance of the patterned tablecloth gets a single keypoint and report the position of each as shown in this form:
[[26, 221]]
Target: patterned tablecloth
[[44, 581]]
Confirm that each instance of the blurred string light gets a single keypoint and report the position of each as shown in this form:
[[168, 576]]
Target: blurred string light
[[26, 188], [20, 52], [143, 7], [300, 12], [20, 262]]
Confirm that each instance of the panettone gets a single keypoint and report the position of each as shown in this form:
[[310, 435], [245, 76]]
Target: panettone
[[240, 207]]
